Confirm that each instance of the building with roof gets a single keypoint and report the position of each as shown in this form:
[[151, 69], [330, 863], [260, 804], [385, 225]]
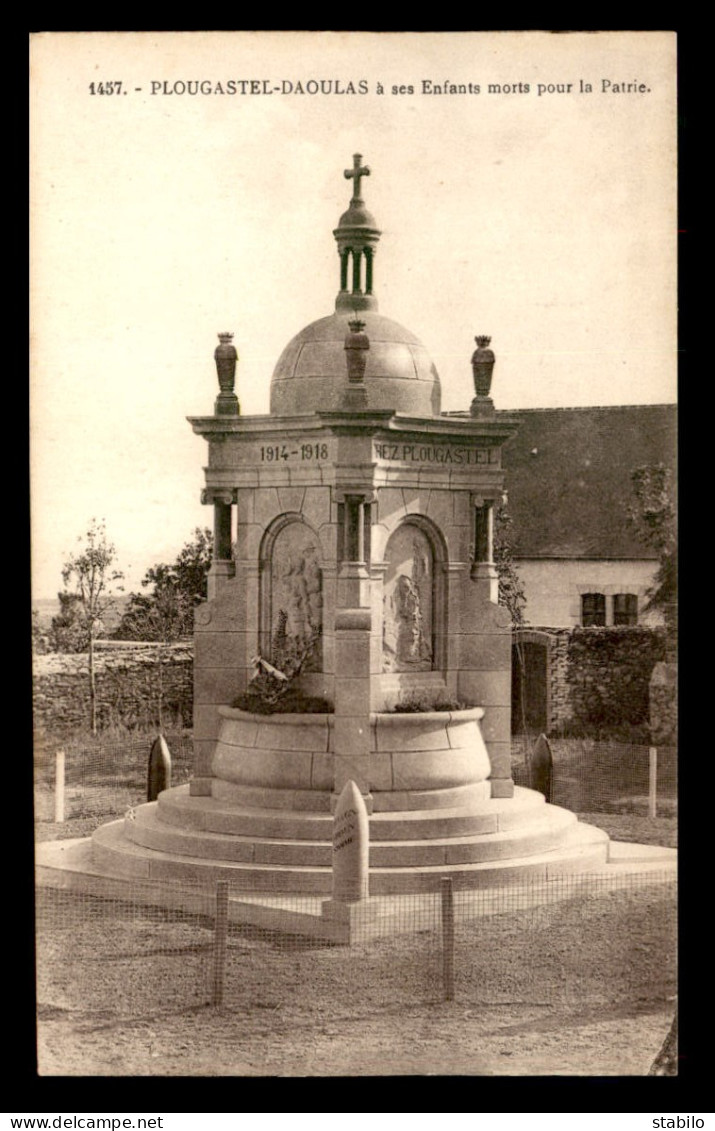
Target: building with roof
[[568, 474], [569, 486]]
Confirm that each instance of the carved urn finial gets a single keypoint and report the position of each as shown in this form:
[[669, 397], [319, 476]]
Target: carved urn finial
[[482, 369], [357, 344], [226, 356]]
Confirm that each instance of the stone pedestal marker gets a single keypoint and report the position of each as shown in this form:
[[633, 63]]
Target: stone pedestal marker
[[351, 846], [350, 904], [159, 776], [541, 768]]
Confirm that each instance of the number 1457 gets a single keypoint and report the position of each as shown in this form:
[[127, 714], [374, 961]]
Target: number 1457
[[112, 87]]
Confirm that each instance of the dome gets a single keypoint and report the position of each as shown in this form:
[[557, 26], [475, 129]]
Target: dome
[[311, 373], [357, 216]]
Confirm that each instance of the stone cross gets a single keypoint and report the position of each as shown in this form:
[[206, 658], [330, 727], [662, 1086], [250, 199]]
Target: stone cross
[[356, 173]]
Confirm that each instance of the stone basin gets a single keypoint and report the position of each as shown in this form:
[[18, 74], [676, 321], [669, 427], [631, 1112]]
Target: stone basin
[[418, 752]]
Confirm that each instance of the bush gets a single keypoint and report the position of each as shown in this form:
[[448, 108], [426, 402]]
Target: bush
[[629, 734], [424, 701], [293, 701], [609, 670]]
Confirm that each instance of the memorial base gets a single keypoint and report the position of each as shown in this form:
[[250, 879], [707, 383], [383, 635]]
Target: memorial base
[[351, 922]]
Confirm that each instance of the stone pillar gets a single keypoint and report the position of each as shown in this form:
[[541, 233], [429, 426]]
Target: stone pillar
[[222, 566], [483, 571], [357, 254], [352, 702], [483, 535], [480, 650], [369, 255], [344, 257], [354, 550], [222, 530], [353, 575], [353, 624]]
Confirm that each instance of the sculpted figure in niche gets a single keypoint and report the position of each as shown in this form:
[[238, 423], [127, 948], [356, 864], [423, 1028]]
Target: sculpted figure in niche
[[411, 647], [407, 603], [297, 598]]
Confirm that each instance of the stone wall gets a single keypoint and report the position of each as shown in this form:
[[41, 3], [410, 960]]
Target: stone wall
[[560, 708], [129, 684], [598, 679]]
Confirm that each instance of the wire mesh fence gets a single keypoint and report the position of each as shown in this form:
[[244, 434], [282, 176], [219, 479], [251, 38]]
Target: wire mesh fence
[[579, 946], [606, 777], [122, 956], [579, 942], [103, 775]]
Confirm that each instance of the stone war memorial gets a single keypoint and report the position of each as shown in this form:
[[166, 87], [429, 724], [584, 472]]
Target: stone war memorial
[[353, 548]]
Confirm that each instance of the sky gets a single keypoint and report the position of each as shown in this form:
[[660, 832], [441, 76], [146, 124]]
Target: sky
[[544, 217]]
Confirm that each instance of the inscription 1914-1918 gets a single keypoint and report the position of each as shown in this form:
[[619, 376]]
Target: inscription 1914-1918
[[311, 453]]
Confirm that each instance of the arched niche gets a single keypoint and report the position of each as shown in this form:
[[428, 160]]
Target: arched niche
[[414, 604], [291, 614]]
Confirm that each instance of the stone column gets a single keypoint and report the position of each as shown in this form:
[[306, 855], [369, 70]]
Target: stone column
[[222, 530], [354, 549], [352, 702], [344, 256], [369, 254], [357, 255], [353, 623], [483, 570], [353, 575], [222, 566]]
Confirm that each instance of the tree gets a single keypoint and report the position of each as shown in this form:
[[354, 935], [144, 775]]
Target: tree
[[653, 516], [68, 631], [89, 577], [511, 588], [166, 612], [40, 638]]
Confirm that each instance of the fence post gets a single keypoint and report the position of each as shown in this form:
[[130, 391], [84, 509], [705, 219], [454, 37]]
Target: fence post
[[652, 781], [220, 933], [448, 938], [60, 786]]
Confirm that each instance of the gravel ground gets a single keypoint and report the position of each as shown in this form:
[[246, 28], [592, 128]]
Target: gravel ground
[[582, 987]]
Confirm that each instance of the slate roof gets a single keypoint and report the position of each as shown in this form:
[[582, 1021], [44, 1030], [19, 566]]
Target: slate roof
[[568, 477]]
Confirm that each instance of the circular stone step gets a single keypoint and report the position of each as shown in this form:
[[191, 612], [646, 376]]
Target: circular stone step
[[583, 847], [535, 836], [178, 808]]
